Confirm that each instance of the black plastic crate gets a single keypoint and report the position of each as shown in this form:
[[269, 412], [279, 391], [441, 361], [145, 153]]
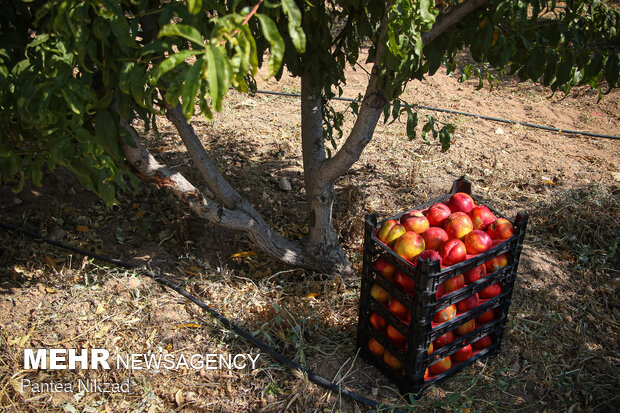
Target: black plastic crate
[[420, 330]]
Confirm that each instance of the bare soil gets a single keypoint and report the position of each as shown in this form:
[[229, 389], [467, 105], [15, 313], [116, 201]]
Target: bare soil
[[561, 343]]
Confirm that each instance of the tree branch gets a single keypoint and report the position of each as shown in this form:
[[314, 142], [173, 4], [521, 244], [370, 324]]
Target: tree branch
[[258, 231], [312, 142], [374, 99], [372, 105], [451, 18], [220, 187]]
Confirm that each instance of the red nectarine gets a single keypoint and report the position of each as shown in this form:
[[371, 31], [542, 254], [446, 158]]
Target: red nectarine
[[392, 361], [462, 354], [443, 340], [468, 303], [491, 291], [482, 343], [414, 221], [375, 347], [440, 366], [481, 217], [461, 202], [378, 293], [405, 283], [458, 225], [409, 245], [437, 215], [465, 328], [455, 283], [452, 252], [434, 237], [399, 309], [395, 336], [501, 228], [377, 321], [446, 314], [477, 241], [476, 273]]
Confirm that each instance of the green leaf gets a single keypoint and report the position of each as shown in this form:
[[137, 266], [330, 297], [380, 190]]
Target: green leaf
[[276, 52], [445, 134], [106, 133], [138, 81], [298, 36], [184, 31], [611, 70], [170, 63], [194, 6], [190, 87], [219, 71], [412, 122], [124, 82]]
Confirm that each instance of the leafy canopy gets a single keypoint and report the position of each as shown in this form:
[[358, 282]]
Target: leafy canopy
[[70, 69]]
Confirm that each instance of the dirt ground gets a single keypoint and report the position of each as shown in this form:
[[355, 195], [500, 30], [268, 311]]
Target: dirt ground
[[561, 343]]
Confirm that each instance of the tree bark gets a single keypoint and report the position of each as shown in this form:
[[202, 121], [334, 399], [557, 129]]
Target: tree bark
[[322, 241], [205, 206]]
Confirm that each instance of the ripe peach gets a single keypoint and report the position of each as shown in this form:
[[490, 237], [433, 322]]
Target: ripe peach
[[409, 246], [385, 228], [476, 273], [482, 343], [461, 202], [440, 366], [481, 217], [414, 221], [386, 268], [465, 328], [377, 321], [375, 347], [392, 361], [446, 314], [491, 291], [399, 309], [463, 354], [501, 228], [453, 252], [434, 237], [485, 317], [395, 336], [440, 291], [395, 233], [477, 241], [496, 263], [405, 283], [437, 215], [378, 293], [429, 255], [458, 225], [468, 303], [443, 340], [454, 283]]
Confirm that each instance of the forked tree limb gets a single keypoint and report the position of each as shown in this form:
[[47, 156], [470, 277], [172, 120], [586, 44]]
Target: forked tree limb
[[374, 98], [205, 207], [451, 18]]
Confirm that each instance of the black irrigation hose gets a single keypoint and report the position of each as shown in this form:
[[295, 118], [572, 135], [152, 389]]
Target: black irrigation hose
[[458, 112], [379, 407]]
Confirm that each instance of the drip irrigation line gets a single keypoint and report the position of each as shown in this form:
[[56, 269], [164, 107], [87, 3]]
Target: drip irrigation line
[[379, 407], [473, 115]]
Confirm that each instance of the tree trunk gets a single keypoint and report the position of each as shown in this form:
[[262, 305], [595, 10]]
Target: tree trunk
[[322, 241]]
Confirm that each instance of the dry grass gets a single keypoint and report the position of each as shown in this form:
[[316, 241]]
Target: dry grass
[[560, 348]]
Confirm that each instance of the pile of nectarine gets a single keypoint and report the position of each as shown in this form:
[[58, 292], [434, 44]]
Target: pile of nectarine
[[450, 232]]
